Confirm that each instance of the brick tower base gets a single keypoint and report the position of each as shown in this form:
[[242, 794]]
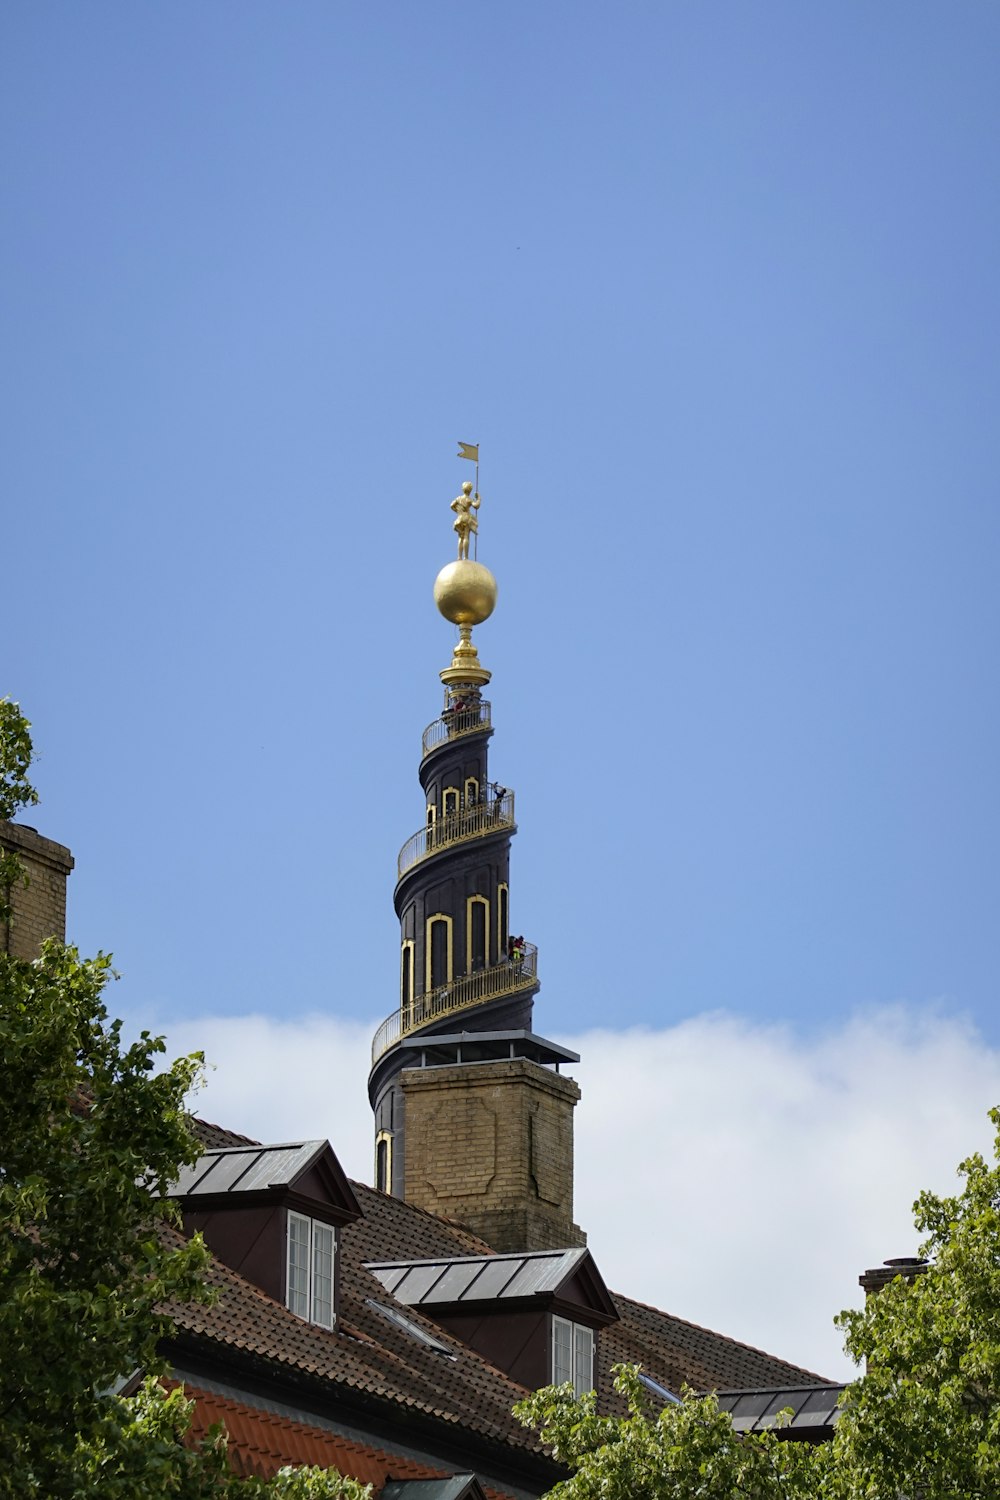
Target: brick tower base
[[491, 1145]]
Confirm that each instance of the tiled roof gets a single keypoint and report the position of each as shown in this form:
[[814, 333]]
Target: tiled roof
[[214, 1137], [261, 1442], [370, 1356], [366, 1359], [678, 1353]]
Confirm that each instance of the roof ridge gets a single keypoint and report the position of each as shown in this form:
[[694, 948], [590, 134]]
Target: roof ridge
[[779, 1390], [725, 1337], [238, 1139]]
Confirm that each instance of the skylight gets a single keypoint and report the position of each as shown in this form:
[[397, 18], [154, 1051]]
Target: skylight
[[413, 1329], [659, 1390]]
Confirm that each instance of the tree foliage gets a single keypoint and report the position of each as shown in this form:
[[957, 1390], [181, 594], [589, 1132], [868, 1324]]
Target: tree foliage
[[689, 1450], [142, 1449], [89, 1137], [925, 1419], [16, 791]]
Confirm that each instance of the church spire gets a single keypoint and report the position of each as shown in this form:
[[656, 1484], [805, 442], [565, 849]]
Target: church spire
[[467, 982]]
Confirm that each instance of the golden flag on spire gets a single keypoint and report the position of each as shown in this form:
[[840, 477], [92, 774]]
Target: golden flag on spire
[[468, 450]]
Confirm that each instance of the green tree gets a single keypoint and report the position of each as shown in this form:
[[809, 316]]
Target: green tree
[[925, 1418], [16, 791], [90, 1138], [688, 1452]]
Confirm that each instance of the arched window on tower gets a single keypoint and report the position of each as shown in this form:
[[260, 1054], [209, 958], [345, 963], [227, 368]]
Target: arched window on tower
[[471, 791], [438, 951], [477, 933], [383, 1162], [406, 978], [450, 800], [503, 922]]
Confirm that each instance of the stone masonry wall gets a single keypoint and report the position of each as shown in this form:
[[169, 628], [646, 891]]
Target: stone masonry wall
[[39, 909], [491, 1145]]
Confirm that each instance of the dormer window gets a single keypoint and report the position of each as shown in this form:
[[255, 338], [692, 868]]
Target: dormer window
[[534, 1313], [572, 1355], [311, 1248], [272, 1213]]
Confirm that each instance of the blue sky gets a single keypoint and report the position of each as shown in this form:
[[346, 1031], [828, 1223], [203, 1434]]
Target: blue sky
[[714, 287]]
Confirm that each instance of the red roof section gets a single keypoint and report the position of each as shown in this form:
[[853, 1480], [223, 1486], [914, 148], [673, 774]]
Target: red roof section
[[262, 1442]]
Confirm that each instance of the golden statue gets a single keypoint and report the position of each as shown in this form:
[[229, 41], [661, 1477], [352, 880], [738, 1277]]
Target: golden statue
[[466, 524]]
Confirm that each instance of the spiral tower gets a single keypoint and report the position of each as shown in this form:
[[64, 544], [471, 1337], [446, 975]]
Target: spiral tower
[[473, 1117]]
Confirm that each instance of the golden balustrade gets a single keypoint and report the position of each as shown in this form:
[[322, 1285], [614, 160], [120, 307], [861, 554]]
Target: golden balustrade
[[506, 978], [473, 822], [454, 723]]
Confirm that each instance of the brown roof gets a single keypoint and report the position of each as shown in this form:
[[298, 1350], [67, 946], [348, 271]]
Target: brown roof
[[366, 1359], [369, 1358], [677, 1353], [214, 1137]]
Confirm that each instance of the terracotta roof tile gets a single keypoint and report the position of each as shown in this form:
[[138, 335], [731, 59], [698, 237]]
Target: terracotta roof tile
[[261, 1442]]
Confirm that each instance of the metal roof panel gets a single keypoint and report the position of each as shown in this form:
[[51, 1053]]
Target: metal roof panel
[[459, 1282], [418, 1282], [245, 1169]]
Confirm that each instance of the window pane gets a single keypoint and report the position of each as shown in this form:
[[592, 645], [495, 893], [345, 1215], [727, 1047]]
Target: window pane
[[562, 1351], [298, 1265], [583, 1359], [322, 1280]]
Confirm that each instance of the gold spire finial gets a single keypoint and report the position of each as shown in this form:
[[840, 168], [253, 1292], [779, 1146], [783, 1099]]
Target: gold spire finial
[[465, 591]]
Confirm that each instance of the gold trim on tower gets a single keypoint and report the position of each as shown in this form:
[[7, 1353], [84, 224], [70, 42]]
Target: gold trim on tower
[[383, 1177], [438, 916], [472, 901], [406, 991], [503, 919]]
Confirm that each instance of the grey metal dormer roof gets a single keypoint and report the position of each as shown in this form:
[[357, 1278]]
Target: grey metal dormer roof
[[246, 1169], [814, 1408], [458, 1487], [303, 1174], [495, 1278]]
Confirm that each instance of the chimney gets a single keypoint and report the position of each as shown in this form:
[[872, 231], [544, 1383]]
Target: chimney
[[38, 909], [909, 1266]]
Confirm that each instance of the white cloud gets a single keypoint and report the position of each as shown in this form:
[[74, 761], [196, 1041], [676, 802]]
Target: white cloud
[[286, 1080], [742, 1177], [734, 1174]]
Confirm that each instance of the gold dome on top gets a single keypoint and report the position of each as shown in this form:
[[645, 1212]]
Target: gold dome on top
[[465, 592]]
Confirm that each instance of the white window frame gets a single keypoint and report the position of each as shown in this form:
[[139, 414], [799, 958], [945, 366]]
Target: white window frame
[[572, 1355], [309, 1303]]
